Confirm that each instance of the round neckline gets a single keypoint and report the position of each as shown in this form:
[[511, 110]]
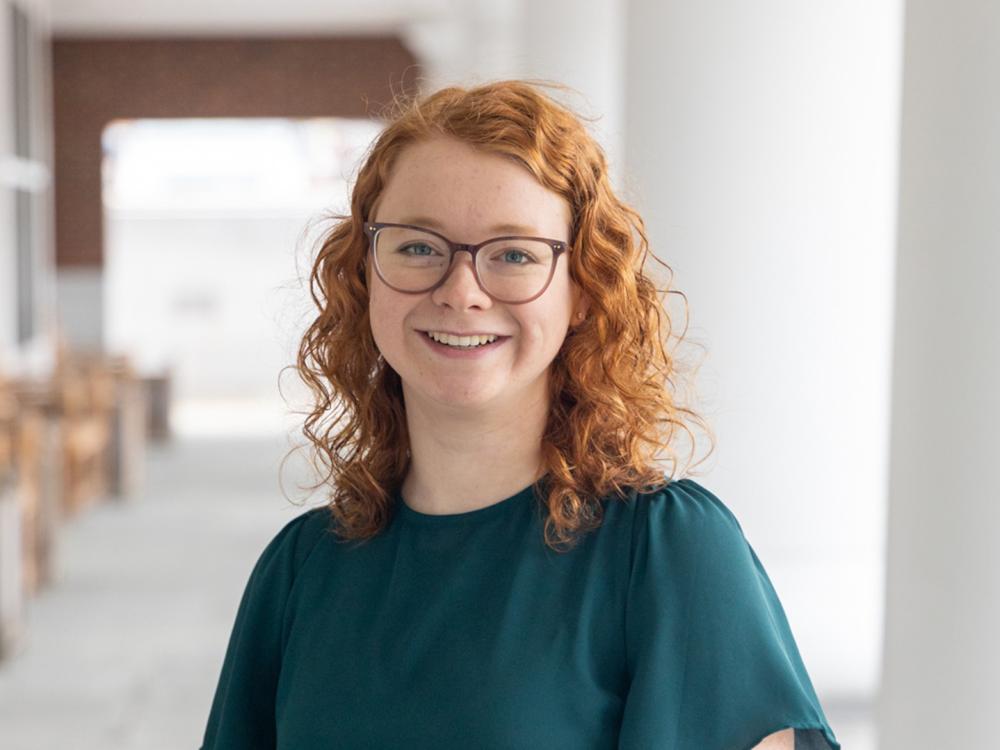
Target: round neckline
[[479, 514]]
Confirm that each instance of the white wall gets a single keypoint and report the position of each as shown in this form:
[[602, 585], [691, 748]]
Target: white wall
[[31, 173], [203, 296], [8, 309], [210, 232]]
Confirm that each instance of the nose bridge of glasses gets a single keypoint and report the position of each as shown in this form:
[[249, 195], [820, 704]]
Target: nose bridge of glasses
[[456, 249], [455, 262]]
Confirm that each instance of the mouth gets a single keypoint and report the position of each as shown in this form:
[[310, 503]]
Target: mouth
[[463, 343]]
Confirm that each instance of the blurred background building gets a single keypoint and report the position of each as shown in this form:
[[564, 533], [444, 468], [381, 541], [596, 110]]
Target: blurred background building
[[820, 177]]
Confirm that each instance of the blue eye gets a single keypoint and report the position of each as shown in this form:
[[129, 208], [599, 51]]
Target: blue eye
[[416, 245], [528, 258]]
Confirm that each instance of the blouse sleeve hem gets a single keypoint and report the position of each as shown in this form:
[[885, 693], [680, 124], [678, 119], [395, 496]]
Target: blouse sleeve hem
[[808, 736]]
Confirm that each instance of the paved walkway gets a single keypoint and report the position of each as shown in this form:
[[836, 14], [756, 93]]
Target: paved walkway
[[124, 652]]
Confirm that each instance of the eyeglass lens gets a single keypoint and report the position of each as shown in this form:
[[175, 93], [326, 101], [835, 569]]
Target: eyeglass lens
[[511, 270]]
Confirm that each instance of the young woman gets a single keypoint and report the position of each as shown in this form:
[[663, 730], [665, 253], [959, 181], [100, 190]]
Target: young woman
[[502, 562]]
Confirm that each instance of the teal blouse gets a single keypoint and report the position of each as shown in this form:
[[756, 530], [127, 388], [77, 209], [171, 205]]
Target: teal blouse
[[660, 629]]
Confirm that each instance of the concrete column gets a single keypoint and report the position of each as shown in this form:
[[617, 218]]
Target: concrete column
[[27, 250], [556, 40], [942, 659], [582, 46], [761, 144], [468, 42]]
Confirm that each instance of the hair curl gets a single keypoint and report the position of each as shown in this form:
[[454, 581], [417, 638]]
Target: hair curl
[[613, 385]]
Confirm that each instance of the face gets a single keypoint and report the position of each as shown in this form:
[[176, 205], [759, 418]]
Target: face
[[465, 194]]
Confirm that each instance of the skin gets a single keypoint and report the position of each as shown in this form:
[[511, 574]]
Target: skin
[[783, 740], [475, 425]]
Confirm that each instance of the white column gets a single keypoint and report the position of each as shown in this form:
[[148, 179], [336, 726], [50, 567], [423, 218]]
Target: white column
[[580, 46], [467, 42], [941, 681], [27, 249], [761, 143]]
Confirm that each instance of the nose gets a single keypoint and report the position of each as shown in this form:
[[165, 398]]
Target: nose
[[460, 288]]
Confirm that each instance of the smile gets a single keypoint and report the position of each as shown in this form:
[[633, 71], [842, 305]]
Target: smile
[[463, 346], [464, 341]]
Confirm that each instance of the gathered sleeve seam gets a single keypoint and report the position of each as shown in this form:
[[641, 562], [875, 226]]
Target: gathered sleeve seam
[[636, 499], [294, 577], [690, 591]]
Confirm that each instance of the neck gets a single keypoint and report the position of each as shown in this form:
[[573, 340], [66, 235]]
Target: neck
[[462, 460]]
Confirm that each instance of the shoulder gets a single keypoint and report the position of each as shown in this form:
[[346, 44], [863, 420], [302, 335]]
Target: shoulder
[[684, 535], [305, 529], [682, 509], [287, 551]]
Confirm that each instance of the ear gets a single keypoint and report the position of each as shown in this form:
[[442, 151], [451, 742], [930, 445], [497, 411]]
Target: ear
[[581, 307]]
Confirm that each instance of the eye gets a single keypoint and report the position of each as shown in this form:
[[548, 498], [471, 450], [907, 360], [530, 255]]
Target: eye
[[521, 258], [417, 246]]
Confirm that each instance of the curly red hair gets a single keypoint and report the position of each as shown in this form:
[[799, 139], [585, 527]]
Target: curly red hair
[[614, 406]]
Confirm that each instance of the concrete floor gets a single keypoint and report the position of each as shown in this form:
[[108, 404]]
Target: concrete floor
[[124, 651]]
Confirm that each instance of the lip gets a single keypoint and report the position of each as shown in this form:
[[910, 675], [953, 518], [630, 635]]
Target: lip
[[455, 333], [452, 352]]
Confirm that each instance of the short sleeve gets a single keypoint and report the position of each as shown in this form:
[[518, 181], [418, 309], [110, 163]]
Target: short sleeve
[[711, 659], [242, 713]]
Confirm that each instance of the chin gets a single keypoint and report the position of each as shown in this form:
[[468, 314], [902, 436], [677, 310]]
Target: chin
[[469, 400], [457, 397], [447, 393]]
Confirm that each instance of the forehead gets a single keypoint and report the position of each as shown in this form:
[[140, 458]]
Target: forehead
[[467, 190]]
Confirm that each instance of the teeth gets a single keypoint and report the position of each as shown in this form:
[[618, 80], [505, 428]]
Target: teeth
[[469, 341]]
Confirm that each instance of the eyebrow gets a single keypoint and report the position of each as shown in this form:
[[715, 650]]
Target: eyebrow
[[426, 221]]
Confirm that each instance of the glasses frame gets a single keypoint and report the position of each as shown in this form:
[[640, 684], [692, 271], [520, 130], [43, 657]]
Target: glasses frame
[[372, 229]]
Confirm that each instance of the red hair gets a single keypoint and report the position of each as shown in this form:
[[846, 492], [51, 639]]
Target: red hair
[[614, 406]]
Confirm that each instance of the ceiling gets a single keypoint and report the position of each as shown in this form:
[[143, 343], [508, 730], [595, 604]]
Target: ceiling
[[243, 17]]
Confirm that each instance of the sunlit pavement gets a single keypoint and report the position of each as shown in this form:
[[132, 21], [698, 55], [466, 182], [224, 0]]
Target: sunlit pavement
[[125, 649]]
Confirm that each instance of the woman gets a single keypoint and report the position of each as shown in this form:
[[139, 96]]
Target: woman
[[502, 563]]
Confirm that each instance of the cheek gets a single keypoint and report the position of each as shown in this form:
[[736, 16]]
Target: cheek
[[388, 313], [380, 314], [551, 320], [543, 333], [532, 334]]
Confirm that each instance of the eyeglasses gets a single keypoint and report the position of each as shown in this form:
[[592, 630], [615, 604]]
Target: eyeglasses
[[412, 259]]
